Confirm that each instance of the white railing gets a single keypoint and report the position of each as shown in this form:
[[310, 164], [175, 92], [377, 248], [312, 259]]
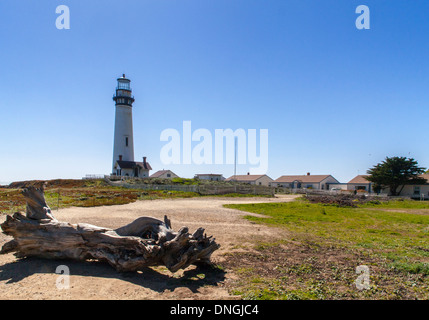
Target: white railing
[[94, 176]]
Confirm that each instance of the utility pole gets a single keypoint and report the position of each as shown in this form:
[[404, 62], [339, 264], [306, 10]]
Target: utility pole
[[235, 158]]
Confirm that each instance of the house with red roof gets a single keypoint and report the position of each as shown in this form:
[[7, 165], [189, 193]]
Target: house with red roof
[[255, 179], [308, 181], [164, 174]]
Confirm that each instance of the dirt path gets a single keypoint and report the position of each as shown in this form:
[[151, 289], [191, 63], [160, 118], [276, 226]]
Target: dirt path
[[36, 278]]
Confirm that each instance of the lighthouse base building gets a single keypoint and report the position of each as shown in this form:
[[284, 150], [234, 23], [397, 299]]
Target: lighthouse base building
[[132, 168], [123, 142]]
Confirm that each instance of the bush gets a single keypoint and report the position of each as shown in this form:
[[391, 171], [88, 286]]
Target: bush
[[342, 200]]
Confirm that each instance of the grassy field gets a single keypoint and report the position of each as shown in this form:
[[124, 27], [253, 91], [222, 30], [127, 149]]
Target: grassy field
[[83, 193], [318, 254], [89, 193], [324, 245]]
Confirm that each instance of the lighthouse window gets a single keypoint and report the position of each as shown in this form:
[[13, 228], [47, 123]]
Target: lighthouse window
[[126, 141]]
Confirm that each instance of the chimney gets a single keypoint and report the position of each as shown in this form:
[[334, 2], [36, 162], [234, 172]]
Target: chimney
[[308, 173], [248, 173], [123, 75], [120, 157], [144, 160]]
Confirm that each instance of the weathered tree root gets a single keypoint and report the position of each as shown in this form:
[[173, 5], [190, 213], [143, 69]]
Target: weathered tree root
[[145, 242]]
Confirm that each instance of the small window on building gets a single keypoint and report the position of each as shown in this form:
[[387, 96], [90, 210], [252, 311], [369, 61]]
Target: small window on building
[[417, 190], [126, 141], [168, 175]]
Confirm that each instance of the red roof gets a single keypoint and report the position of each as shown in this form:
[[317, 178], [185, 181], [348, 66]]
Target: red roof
[[246, 177], [316, 178], [360, 179], [160, 173], [425, 176]]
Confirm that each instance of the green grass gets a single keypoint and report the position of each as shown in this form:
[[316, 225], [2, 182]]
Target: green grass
[[324, 244], [63, 193], [414, 268], [402, 237], [397, 204]]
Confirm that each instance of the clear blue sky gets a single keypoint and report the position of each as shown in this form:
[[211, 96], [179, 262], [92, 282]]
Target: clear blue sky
[[335, 99]]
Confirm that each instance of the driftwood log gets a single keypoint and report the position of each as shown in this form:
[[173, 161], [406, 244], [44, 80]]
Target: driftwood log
[[145, 242]]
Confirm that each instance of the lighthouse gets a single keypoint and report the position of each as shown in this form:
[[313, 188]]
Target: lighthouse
[[123, 142]]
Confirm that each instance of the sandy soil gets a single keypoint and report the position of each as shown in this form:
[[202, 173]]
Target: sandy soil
[[36, 278]]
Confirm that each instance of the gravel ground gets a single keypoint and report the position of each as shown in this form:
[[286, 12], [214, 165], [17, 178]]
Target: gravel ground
[[37, 278]]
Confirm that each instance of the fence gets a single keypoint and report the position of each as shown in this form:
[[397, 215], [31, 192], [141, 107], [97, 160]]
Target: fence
[[323, 192], [93, 176], [283, 190], [117, 178], [204, 189], [164, 187], [208, 189]]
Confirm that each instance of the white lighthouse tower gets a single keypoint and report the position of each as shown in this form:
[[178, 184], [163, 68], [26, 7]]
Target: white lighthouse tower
[[123, 144]]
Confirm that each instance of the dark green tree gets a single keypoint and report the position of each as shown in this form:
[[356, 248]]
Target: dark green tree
[[396, 172]]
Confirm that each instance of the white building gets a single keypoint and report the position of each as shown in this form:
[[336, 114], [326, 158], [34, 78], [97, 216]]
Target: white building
[[359, 183], [308, 181], [132, 168], [415, 191], [259, 180]]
